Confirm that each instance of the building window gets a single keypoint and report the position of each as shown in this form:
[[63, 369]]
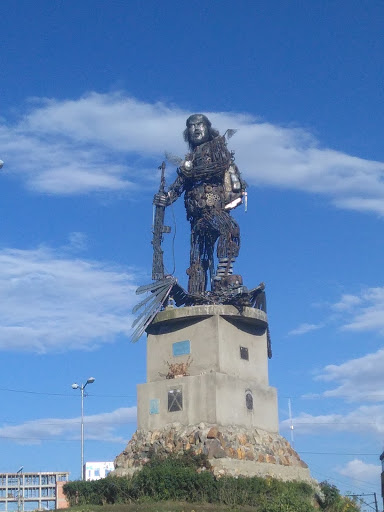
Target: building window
[[175, 400], [244, 353], [249, 400]]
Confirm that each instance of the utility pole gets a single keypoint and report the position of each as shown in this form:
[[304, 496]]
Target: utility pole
[[367, 494]]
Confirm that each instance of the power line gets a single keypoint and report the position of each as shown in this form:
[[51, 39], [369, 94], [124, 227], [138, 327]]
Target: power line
[[44, 393], [315, 469], [339, 453]]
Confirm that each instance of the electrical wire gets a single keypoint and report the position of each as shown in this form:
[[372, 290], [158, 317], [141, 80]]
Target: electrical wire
[[44, 393]]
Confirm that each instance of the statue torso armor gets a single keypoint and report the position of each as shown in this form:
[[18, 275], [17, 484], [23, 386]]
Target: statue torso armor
[[207, 177]]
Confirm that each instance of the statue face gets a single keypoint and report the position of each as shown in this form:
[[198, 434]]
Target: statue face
[[198, 131]]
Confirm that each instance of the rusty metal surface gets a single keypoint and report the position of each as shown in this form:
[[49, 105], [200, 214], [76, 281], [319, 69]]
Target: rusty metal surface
[[212, 186]]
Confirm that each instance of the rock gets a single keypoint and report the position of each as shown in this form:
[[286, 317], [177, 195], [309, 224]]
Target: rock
[[214, 449], [249, 456], [213, 433], [231, 452], [155, 435], [238, 443], [242, 439]]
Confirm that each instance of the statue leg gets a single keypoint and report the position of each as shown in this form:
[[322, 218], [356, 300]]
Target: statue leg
[[228, 246], [203, 238]]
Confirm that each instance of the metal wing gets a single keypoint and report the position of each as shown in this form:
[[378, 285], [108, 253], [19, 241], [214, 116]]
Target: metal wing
[[173, 159], [151, 305], [230, 133]]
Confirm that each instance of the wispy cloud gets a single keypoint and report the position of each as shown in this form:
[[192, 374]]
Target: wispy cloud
[[77, 241], [99, 427], [106, 142], [51, 302], [366, 420], [359, 379], [347, 303], [370, 313], [360, 471], [304, 329]]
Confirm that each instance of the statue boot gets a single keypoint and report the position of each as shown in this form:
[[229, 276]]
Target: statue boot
[[225, 280]]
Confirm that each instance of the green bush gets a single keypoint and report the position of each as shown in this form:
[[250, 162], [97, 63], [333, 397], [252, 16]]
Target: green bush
[[187, 478], [266, 494], [334, 502]]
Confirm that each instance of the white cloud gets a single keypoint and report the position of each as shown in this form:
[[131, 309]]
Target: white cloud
[[99, 427], [361, 471], [362, 378], [370, 314], [107, 142], [55, 303], [77, 241], [366, 420], [359, 379], [304, 328], [347, 303]]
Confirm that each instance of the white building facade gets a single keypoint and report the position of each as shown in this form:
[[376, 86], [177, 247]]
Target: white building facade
[[97, 470]]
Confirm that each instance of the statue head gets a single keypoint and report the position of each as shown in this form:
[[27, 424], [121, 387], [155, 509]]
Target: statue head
[[199, 130]]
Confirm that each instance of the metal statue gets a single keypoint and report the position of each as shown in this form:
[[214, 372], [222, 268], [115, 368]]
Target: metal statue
[[212, 187]]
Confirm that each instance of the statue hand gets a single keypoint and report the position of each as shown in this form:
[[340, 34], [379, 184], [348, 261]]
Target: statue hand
[[160, 200]]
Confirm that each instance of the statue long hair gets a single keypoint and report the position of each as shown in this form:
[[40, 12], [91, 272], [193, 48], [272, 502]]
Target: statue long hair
[[212, 132]]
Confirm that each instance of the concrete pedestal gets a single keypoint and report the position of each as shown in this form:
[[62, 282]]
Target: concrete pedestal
[[221, 403], [227, 352]]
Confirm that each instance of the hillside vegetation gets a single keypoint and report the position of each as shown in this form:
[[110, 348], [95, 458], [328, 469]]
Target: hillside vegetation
[[187, 479]]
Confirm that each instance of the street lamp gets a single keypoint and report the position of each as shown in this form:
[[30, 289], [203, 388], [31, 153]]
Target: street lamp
[[91, 380]]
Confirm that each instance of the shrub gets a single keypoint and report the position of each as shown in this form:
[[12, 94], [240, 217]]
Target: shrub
[[187, 478], [334, 502]]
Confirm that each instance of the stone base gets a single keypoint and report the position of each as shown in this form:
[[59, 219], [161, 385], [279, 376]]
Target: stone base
[[231, 451]]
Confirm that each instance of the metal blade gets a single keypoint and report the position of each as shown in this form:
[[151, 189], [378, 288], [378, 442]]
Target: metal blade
[[153, 286]]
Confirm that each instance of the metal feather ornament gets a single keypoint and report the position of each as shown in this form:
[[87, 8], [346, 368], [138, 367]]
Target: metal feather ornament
[[151, 305]]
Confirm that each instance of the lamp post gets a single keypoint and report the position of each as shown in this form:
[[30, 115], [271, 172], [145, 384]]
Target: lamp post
[[20, 489], [82, 387]]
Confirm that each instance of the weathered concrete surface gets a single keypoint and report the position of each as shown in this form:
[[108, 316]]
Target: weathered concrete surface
[[211, 398], [218, 378], [216, 334], [247, 314], [231, 450]]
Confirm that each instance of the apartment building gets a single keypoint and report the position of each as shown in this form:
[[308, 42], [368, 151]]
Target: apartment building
[[32, 491]]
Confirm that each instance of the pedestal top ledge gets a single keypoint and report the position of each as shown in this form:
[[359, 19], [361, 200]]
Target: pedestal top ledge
[[247, 314]]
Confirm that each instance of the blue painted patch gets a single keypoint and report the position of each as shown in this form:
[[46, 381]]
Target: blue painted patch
[[181, 348], [154, 404]]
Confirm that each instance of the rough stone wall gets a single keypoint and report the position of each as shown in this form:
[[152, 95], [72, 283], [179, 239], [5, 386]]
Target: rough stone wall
[[231, 450]]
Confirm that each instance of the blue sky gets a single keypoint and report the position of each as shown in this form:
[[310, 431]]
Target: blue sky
[[92, 94]]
